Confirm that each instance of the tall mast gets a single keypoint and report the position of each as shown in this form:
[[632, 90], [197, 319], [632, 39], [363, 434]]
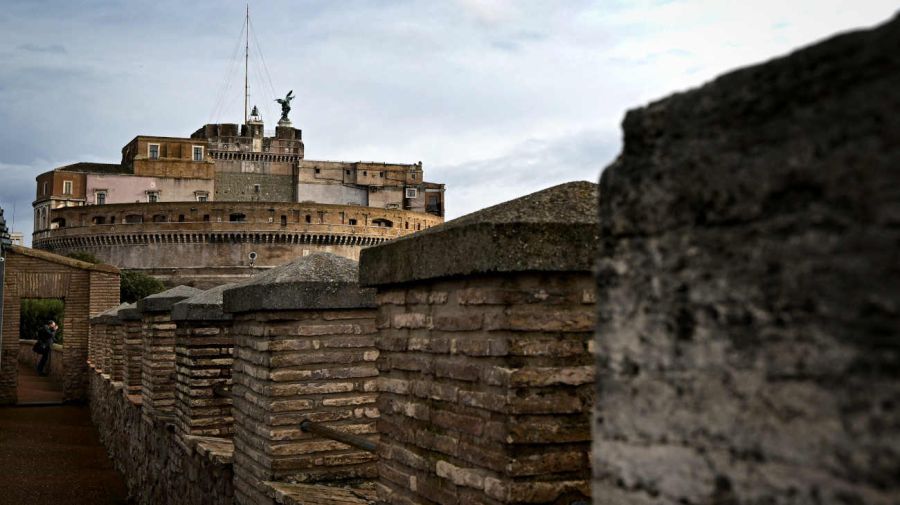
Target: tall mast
[[246, 60]]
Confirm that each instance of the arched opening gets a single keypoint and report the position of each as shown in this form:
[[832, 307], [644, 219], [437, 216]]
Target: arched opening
[[308, 218], [385, 223], [98, 220], [160, 218], [134, 218], [237, 217], [57, 222]]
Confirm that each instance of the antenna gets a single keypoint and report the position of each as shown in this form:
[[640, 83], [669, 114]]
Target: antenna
[[246, 62]]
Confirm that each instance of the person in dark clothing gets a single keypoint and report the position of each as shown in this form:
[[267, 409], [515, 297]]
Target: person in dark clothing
[[46, 337]]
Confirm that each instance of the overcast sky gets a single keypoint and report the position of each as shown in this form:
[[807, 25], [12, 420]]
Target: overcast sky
[[497, 98]]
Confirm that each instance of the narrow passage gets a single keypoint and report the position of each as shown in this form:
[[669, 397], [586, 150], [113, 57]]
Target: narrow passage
[[52, 455]]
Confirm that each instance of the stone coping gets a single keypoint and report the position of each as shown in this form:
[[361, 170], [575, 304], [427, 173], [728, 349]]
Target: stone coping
[[129, 312], [163, 302], [321, 494], [62, 260], [216, 449], [206, 306], [556, 229], [108, 316], [317, 281]]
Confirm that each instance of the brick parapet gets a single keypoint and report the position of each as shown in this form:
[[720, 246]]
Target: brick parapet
[[203, 361], [485, 389], [306, 354]]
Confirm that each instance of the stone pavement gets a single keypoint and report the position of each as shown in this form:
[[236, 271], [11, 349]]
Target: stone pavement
[[51, 455], [33, 388]]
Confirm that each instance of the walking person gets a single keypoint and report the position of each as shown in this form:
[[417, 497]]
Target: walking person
[[45, 338]]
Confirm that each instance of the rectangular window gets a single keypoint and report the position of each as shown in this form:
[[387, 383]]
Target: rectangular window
[[67, 187], [153, 151], [152, 196], [101, 198], [44, 188], [198, 153], [202, 198], [412, 193]]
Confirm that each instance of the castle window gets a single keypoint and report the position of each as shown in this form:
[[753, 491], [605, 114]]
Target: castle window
[[202, 196], [198, 153], [44, 188], [152, 196], [180, 218], [352, 222], [386, 223], [98, 220], [67, 187], [256, 188], [407, 224], [318, 170], [283, 220], [153, 151], [412, 192], [206, 218], [101, 198], [308, 218], [347, 171], [237, 217], [134, 218], [159, 218], [381, 174], [366, 173]]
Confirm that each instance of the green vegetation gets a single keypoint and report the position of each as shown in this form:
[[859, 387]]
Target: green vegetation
[[137, 285], [36, 312]]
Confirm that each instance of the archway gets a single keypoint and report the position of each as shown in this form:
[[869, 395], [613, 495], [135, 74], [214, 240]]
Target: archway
[[85, 289]]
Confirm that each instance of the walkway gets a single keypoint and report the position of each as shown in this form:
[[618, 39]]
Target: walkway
[[32, 388], [51, 455]]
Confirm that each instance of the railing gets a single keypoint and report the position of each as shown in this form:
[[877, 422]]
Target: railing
[[356, 441]]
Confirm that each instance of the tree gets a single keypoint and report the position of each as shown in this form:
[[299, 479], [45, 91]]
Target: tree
[[136, 285]]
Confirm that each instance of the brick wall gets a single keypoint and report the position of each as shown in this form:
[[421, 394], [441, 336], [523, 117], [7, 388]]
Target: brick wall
[[84, 288], [486, 379], [158, 351], [304, 350]]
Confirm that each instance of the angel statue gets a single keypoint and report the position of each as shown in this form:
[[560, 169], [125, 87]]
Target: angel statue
[[285, 105]]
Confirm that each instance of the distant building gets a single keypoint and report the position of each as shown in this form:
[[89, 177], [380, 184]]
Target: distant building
[[225, 201]]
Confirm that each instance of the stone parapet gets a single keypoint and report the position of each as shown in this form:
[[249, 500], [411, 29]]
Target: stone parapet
[[749, 333], [115, 337], [203, 359], [486, 378], [158, 351], [306, 354]]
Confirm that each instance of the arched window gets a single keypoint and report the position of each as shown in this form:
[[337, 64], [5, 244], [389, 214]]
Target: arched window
[[57, 223], [308, 218], [160, 218]]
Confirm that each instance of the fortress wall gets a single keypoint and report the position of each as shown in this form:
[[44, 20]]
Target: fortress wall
[[748, 284], [240, 186]]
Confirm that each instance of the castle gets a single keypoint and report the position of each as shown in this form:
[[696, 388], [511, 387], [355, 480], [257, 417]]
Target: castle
[[228, 200]]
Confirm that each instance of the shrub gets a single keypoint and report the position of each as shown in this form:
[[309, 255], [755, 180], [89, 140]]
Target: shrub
[[137, 285], [35, 312]]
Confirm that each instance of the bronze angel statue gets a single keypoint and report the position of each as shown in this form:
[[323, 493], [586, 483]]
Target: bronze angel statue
[[285, 105]]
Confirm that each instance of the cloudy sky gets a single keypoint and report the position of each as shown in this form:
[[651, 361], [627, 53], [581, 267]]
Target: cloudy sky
[[497, 98]]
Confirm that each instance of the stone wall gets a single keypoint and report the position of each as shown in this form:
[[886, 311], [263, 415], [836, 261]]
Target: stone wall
[[748, 287], [158, 467], [486, 380]]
